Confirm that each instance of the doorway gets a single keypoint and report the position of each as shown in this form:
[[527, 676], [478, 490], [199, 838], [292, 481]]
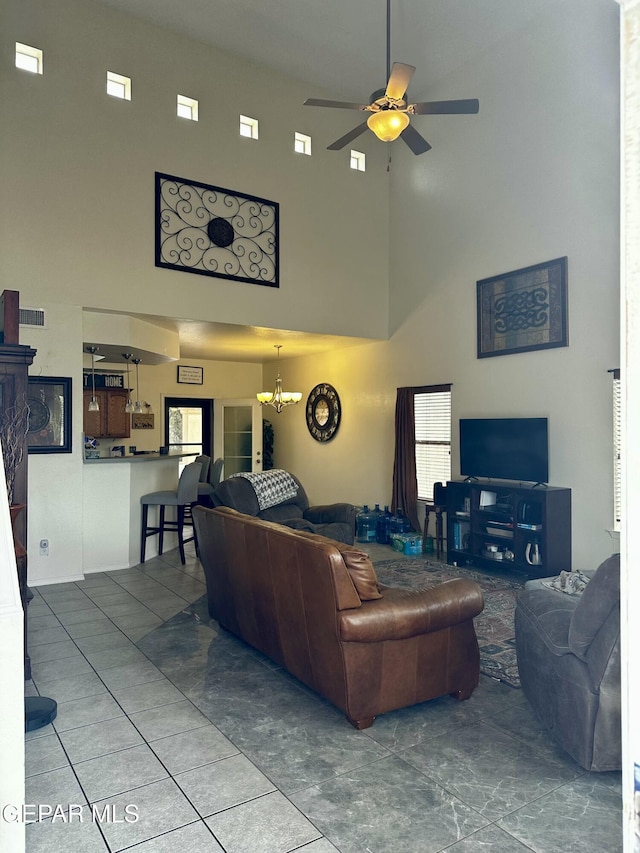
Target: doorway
[[238, 437], [188, 425]]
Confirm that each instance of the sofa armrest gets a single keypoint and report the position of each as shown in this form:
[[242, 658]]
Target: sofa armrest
[[330, 513], [402, 613]]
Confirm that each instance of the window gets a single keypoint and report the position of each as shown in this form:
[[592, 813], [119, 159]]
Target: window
[[617, 451], [249, 127], [302, 143], [432, 414], [187, 108], [357, 161], [28, 58], [118, 86]]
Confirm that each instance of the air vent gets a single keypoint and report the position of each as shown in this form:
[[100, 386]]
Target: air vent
[[33, 318]]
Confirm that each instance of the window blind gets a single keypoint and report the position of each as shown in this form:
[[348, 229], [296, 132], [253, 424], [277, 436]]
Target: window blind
[[432, 414]]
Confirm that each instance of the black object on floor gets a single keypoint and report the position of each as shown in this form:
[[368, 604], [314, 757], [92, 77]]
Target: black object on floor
[[38, 712]]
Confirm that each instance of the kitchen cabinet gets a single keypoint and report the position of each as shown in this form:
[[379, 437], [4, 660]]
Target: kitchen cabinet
[[111, 421]]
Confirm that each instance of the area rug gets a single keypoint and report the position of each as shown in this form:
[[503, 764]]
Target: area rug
[[494, 626]]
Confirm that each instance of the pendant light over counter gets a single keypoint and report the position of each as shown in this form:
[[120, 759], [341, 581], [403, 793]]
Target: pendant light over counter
[[128, 407], [94, 406]]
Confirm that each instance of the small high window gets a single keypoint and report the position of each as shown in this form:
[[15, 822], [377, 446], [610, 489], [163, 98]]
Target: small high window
[[118, 86], [187, 108], [357, 161], [302, 143], [28, 58], [249, 127]]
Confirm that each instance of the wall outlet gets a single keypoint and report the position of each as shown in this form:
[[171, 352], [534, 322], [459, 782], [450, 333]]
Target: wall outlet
[[44, 547]]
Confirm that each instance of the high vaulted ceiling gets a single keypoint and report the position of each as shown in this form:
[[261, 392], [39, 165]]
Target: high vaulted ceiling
[[338, 46]]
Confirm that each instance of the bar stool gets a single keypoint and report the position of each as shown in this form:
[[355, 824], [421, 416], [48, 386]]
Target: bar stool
[[183, 499], [205, 490], [438, 506]]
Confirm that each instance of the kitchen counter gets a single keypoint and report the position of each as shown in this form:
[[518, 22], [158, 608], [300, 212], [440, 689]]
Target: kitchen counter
[[140, 457], [111, 507]]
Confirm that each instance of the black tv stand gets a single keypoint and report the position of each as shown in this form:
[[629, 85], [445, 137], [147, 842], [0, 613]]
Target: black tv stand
[[496, 524]]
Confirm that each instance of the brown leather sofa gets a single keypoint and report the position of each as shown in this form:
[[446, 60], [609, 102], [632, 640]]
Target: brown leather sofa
[[314, 606]]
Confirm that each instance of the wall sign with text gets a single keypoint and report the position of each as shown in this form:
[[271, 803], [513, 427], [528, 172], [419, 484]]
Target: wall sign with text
[[190, 375]]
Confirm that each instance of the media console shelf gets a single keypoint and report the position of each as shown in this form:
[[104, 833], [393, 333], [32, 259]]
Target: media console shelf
[[495, 524]]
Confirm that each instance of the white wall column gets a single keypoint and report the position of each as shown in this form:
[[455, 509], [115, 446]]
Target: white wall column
[[630, 384]]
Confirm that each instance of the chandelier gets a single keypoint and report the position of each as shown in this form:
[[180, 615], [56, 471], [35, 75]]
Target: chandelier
[[279, 398]]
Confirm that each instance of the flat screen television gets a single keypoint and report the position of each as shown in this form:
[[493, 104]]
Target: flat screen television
[[505, 448]]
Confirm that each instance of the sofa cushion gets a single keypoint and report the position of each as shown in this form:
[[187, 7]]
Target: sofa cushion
[[362, 573], [601, 596]]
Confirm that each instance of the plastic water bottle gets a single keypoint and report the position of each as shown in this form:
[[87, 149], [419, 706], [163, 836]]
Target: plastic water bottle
[[365, 525], [382, 527]]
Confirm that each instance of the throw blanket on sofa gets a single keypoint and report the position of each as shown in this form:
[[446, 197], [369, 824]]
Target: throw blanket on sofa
[[271, 487]]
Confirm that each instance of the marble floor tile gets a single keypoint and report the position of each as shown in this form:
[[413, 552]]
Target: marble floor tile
[[141, 697], [98, 642], [491, 839], [126, 675], [193, 838], [46, 636], [54, 787], [76, 836], [98, 739], [188, 750], [43, 754], [270, 824], [49, 670], [84, 712], [387, 807], [223, 784], [118, 656], [36, 623], [118, 772], [101, 625], [161, 807], [463, 760], [75, 617], [53, 651], [158, 723], [583, 816], [71, 687]]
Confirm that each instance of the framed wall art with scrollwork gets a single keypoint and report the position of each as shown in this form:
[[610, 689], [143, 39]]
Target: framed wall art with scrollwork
[[523, 310], [49, 418], [212, 231]]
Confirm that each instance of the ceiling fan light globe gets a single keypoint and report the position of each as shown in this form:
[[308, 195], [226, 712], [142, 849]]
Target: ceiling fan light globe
[[387, 124]]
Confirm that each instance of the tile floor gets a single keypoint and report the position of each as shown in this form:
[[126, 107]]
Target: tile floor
[[164, 718]]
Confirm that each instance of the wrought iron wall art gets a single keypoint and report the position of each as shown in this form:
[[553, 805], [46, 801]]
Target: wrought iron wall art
[[212, 231], [523, 310]]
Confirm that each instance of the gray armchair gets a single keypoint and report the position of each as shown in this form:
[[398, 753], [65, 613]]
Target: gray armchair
[[568, 650], [335, 521]]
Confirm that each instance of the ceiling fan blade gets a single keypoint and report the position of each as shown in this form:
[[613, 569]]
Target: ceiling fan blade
[[417, 143], [399, 80], [343, 105], [469, 106], [344, 140]]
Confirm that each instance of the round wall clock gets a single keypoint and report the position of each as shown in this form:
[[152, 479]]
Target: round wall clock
[[323, 412]]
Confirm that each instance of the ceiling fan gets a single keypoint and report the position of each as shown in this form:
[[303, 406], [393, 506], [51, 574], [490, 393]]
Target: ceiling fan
[[389, 109]]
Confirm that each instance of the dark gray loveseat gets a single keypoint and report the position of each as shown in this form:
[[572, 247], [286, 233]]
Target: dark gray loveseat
[[335, 521], [568, 650]]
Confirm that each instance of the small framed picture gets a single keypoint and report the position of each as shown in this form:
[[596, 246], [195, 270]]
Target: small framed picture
[[49, 404], [190, 375]]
